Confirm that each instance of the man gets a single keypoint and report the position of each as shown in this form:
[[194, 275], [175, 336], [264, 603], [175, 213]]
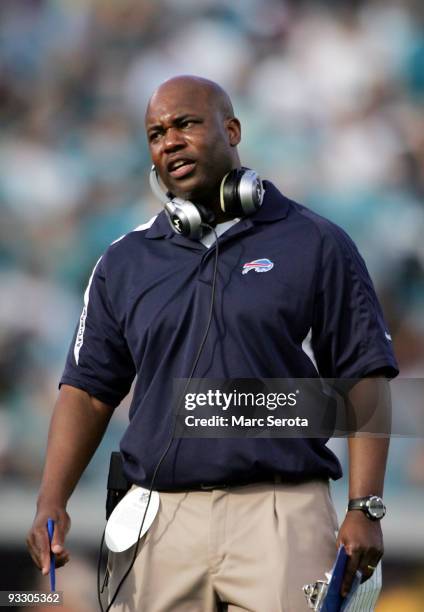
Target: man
[[242, 522]]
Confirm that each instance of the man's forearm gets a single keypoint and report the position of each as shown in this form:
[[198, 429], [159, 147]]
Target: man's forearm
[[361, 537], [77, 427], [371, 406], [367, 466]]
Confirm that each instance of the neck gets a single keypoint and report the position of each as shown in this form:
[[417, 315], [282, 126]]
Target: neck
[[214, 204]]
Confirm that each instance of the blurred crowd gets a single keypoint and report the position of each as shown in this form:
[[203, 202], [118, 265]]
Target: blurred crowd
[[330, 96]]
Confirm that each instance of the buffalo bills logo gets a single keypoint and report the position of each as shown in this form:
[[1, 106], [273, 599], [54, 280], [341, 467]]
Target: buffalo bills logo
[[258, 265]]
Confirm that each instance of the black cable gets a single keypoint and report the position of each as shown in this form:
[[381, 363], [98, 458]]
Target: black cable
[[99, 564], [169, 444]]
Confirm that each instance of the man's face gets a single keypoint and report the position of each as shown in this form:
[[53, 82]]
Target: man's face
[[191, 143]]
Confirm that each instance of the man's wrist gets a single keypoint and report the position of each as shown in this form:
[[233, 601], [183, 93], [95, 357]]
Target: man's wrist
[[51, 501], [371, 506]]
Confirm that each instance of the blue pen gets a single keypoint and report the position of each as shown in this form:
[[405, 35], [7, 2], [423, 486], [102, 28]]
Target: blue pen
[[50, 529]]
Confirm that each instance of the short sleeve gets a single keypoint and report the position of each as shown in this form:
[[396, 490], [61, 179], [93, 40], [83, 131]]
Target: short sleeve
[[350, 338], [99, 360]]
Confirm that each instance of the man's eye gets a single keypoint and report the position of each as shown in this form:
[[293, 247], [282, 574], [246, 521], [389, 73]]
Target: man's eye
[[154, 136], [187, 123]]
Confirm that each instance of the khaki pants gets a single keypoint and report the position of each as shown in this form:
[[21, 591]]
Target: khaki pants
[[240, 549]]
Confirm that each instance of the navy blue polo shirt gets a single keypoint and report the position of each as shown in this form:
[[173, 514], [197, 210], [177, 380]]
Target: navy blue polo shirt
[[146, 308]]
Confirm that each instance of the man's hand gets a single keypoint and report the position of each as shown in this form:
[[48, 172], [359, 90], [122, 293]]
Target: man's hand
[[77, 426], [38, 538], [363, 542]]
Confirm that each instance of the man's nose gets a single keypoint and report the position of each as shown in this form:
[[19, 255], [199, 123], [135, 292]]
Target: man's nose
[[173, 140]]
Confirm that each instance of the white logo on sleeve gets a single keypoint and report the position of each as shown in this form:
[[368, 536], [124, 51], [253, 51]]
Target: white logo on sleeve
[[388, 336]]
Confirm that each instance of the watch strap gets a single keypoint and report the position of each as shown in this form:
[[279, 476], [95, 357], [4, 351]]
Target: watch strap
[[359, 503], [363, 504]]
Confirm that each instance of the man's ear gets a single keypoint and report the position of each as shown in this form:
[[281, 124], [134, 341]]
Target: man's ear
[[233, 128]]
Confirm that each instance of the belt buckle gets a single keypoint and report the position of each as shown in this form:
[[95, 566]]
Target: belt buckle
[[212, 487], [205, 487]]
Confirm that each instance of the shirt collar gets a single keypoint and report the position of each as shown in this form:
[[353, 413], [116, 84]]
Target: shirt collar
[[275, 206], [160, 228]]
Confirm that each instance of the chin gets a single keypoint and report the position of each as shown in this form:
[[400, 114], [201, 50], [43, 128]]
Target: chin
[[193, 194], [182, 189], [195, 189], [203, 193]]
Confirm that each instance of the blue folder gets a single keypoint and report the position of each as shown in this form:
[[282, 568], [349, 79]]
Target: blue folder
[[333, 601]]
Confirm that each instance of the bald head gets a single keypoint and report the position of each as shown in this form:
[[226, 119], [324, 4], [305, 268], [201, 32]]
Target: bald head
[[195, 87], [193, 137]]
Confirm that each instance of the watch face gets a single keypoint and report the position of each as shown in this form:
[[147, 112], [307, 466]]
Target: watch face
[[376, 508]]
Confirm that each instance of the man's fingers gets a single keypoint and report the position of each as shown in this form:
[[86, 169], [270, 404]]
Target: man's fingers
[[365, 563], [42, 548], [363, 543], [58, 544], [369, 564], [39, 546], [352, 565], [62, 558], [42, 558], [34, 557], [58, 539], [31, 549]]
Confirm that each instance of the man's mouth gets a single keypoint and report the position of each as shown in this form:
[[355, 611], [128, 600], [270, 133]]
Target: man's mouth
[[180, 168]]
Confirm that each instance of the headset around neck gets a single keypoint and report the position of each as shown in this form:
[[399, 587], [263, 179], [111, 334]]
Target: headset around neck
[[241, 194]]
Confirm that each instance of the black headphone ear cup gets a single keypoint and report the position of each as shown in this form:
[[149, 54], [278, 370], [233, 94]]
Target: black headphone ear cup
[[241, 192], [230, 201]]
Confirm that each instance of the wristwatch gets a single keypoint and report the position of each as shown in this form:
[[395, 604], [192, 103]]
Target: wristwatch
[[372, 506]]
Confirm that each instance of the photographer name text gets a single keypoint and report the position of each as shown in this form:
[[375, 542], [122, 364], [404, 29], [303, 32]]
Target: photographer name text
[[242, 421]]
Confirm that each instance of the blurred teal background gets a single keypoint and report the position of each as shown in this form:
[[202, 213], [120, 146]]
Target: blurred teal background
[[330, 96]]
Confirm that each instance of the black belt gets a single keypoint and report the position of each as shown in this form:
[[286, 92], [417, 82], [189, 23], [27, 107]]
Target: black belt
[[276, 479]]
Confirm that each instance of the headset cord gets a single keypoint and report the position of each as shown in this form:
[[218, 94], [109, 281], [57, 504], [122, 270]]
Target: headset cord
[[171, 438]]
